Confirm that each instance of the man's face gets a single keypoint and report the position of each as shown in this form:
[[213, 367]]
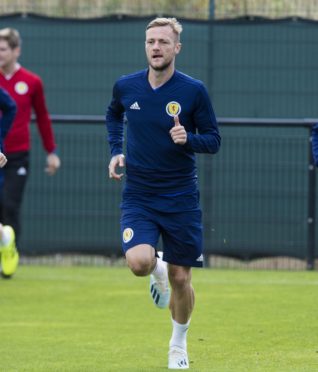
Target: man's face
[[161, 47], [8, 56]]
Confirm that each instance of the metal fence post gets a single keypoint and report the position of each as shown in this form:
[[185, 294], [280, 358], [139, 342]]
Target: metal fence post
[[311, 207], [211, 9]]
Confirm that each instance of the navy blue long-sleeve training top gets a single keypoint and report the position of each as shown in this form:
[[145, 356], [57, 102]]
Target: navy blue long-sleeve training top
[[315, 143], [8, 110], [154, 163]]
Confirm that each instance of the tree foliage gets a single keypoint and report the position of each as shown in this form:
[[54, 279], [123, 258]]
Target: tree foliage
[[193, 9]]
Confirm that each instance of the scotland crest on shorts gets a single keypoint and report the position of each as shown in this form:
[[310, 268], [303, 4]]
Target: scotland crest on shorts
[[128, 234], [173, 108]]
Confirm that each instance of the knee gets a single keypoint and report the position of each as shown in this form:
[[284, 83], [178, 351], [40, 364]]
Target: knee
[[139, 266], [141, 259], [179, 277]]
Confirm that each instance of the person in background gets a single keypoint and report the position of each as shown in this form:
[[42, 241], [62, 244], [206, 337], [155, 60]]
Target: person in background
[[169, 119], [26, 89], [9, 256], [315, 143], [8, 110]]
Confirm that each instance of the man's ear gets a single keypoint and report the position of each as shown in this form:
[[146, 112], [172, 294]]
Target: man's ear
[[178, 48], [17, 52]]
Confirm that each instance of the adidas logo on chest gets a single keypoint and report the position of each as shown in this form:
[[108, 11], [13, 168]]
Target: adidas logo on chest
[[134, 106]]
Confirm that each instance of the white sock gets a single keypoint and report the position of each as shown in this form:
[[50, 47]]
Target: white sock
[[5, 237], [179, 334], [159, 269]]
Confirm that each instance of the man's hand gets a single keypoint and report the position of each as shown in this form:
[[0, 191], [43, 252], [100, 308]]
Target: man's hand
[[3, 160], [52, 164], [117, 160], [178, 133]]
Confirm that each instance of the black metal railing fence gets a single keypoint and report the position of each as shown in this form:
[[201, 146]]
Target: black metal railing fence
[[258, 194]]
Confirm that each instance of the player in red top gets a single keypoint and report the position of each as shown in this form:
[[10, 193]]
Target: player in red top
[[26, 89]]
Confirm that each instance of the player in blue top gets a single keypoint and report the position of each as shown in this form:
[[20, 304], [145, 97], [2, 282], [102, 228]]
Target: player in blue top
[[169, 119], [315, 143], [8, 110], [9, 256]]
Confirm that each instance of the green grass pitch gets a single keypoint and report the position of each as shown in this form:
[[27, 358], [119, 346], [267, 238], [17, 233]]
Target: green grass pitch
[[91, 319]]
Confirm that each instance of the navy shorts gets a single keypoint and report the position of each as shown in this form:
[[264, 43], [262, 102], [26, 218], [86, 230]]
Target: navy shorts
[[181, 233]]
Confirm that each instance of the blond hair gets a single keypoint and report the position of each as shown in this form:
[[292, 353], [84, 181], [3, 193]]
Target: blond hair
[[11, 36], [172, 22]]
